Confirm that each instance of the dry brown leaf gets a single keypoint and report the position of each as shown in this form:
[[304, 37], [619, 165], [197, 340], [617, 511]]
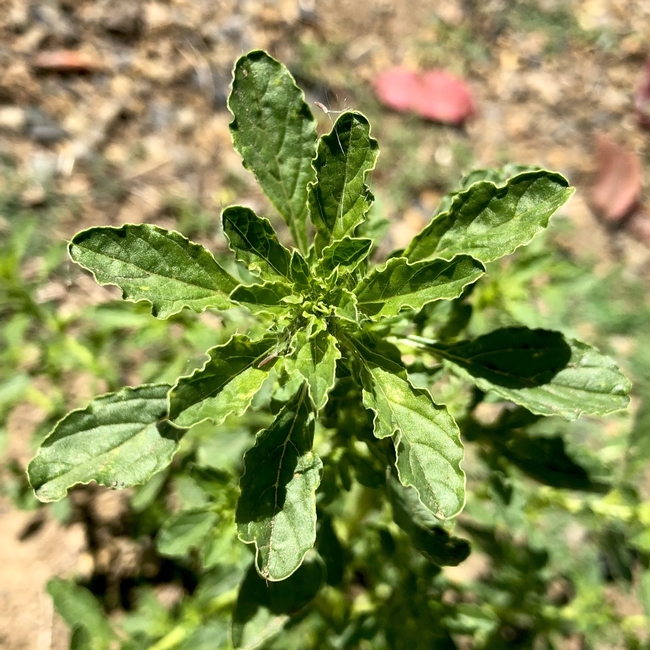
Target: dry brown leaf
[[617, 189]]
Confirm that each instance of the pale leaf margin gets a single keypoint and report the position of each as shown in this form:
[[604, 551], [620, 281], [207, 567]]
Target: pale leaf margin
[[218, 300], [45, 476]]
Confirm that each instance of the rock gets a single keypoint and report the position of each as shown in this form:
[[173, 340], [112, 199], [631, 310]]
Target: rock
[[31, 197], [42, 128], [56, 23], [12, 119], [126, 21], [94, 138], [186, 119], [43, 166], [17, 85], [18, 16], [47, 133]]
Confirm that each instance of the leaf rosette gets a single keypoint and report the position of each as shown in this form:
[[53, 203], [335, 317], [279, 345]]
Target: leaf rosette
[[329, 312]]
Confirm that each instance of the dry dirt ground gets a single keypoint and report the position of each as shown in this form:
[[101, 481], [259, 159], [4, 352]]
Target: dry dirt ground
[[147, 116]]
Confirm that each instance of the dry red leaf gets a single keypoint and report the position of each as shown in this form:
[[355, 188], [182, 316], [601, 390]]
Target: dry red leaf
[[434, 94], [65, 61], [642, 99], [616, 191]]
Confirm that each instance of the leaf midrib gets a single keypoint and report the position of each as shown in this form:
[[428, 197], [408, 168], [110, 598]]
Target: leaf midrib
[[267, 259], [145, 271]]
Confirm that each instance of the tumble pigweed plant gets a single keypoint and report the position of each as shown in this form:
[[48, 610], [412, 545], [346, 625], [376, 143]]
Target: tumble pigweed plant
[[336, 324]]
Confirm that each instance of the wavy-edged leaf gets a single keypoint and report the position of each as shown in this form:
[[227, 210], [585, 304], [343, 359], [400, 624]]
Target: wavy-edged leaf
[[488, 221], [119, 440], [225, 385], [263, 608], [399, 285], [153, 264], [348, 252], [346, 307], [426, 437], [540, 370], [499, 176], [265, 298], [275, 134], [299, 269], [255, 243], [277, 507], [433, 541], [339, 198], [315, 360]]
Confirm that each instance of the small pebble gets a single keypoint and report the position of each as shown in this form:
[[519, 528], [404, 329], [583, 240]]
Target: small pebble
[[12, 119]]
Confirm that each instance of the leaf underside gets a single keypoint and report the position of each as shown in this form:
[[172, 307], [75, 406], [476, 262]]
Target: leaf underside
[[153, 264], [119, 440], [277, 507]]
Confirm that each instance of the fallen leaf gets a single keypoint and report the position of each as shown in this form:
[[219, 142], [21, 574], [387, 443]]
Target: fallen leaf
[[434, 94], [642, 98], [616, 191], [65, 61], [396, 88]]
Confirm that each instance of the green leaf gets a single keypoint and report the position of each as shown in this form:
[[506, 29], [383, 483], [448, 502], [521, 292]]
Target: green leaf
[[545, 459], [275, 134], [266, 298], [427, 536], [82, 639], [540, 370], [315, 360], [277, 507], [498, 176], [118, 440], [153, 264], [331, 551], [186, 530], [225, 385], [340, 199], [346, 306], [488, 221], [79, 609], [255, 243], [398, 285], [348, 252], [299, 269], [263, 608], [426, 437]]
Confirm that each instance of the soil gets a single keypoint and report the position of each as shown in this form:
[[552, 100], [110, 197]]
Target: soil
[[134, 122]]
